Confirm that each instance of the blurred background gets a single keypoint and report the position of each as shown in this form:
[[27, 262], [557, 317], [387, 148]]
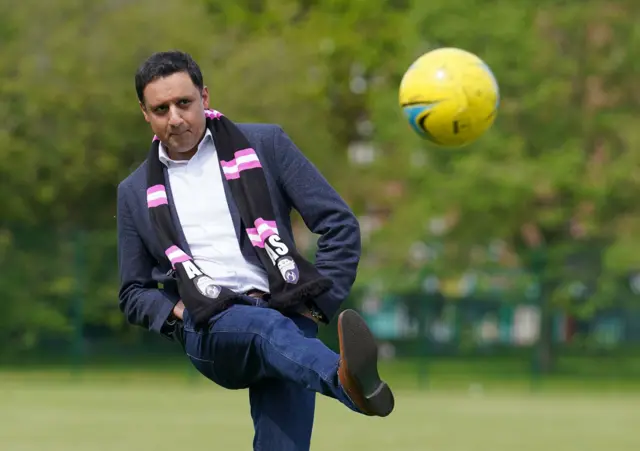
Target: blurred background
[[502, 280]]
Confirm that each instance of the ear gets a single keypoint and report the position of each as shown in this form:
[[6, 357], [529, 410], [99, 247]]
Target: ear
[[205, 98], [144, 111]]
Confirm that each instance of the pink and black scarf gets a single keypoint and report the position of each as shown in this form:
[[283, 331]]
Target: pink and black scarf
[[293, 281]]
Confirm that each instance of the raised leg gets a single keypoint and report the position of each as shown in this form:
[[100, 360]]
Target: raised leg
[[246, 345]]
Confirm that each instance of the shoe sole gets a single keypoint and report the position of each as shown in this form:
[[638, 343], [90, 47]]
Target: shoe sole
[[359, 352]]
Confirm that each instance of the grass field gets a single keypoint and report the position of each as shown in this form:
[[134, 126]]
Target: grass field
[[107, 411]]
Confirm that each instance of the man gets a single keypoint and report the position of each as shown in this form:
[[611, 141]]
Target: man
[[207, 216]]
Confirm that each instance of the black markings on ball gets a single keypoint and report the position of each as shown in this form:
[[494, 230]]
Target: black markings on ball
[[456, 127], [422, 120]]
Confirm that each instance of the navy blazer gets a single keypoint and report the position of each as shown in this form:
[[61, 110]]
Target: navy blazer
[[147, 295]]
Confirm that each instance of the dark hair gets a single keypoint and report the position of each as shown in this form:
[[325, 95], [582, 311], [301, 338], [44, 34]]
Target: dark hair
[[163, 64]]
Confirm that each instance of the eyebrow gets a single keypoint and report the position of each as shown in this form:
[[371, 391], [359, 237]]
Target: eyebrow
[[177, 99]]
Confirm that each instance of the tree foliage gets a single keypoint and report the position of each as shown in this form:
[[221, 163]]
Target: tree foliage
[[557, 173]]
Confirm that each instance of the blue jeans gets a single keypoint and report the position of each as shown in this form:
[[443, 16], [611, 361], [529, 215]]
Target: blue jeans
[[278, 359]]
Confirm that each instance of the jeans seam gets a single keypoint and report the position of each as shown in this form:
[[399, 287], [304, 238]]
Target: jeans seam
[[193, 331], [208, 332], [199, 359], [325, 377]]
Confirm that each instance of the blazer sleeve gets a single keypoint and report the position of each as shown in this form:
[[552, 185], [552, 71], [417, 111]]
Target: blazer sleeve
[[325, 213], [142, 303]]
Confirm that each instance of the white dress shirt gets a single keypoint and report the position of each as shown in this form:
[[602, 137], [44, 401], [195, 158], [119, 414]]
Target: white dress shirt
[[201, 204]]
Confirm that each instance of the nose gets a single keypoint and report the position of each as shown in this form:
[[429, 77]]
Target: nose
[[175, 120]]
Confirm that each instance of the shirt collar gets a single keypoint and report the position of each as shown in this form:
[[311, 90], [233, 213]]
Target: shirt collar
[[164, 156]]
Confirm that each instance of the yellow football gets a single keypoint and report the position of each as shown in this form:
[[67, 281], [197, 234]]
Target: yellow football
[[449, 96]]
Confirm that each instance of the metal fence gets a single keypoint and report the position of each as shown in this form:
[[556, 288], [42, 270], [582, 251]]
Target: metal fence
[[60, 292]]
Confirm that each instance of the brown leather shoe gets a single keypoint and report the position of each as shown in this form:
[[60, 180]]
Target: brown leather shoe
[[358, 371]]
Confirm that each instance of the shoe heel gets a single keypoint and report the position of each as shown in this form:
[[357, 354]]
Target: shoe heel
[[381, 402]]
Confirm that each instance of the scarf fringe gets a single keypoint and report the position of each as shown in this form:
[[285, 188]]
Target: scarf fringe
[[301, 295]]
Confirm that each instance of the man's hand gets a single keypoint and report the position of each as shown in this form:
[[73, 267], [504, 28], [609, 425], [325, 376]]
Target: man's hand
[[178, 310]]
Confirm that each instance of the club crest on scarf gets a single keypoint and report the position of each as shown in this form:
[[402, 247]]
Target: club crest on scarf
[[205, 284], [279, 255], [292, 279], [208, 287], [265, 235]]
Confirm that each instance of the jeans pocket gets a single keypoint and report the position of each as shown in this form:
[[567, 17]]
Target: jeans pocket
[[204, 367], [211, 370]]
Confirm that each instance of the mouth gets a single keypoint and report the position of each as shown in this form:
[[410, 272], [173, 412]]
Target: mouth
[[179, 133]]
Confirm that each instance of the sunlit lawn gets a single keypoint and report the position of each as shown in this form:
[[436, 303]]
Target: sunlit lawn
[[155, 413]]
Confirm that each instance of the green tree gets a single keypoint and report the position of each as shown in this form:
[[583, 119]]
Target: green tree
[[558, 171], [71, 130], [555, 174]]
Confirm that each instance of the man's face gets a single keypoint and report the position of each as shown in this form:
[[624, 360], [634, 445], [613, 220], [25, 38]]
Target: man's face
[[174, 107]]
